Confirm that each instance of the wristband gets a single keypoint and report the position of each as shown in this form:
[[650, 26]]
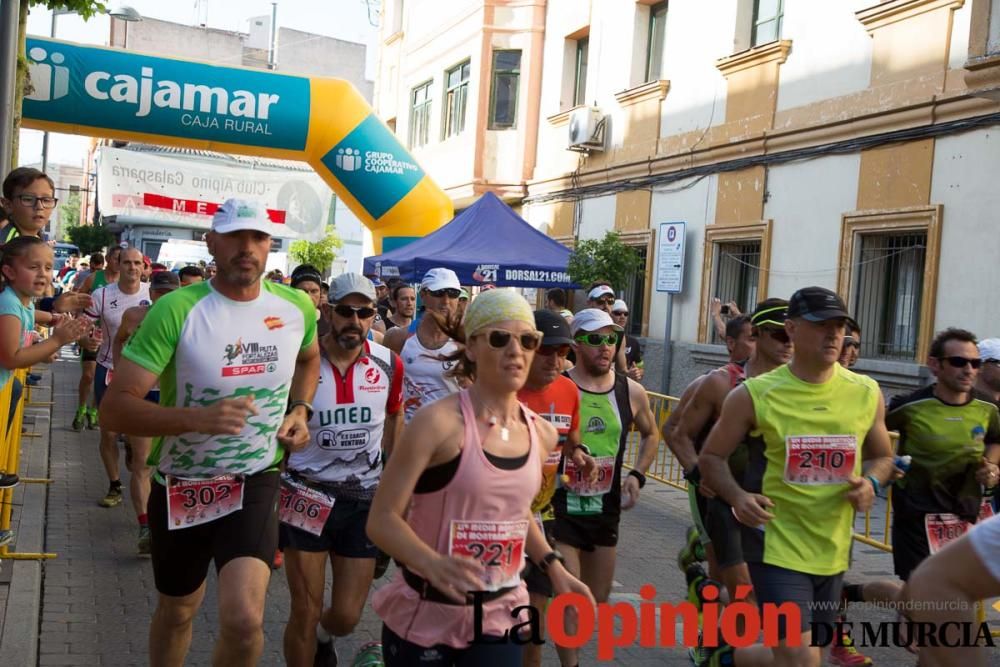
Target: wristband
[[546, 561], [875, 484], [639, 476], [294, 404], [584, 447], [693, 475]]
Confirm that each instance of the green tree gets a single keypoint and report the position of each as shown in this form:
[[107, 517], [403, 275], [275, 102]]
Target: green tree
[[319, 253], [22, 83], [69, 211], [89, 238], [603, 259]]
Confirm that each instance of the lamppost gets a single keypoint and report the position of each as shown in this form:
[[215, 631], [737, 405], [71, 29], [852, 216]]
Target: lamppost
[[122, 12]]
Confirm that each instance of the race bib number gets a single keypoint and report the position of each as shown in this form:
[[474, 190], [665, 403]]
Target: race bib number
[[192, 502], [582, 486], [498, 545], [819, 459], [552, 460], [944, 528], [302, 507]]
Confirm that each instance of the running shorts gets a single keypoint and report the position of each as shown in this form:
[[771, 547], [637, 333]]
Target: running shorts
[[398, 652], [100, 384], [586, 532], [909, 543], [343, 534], [181, 557], [699, 511], [725, 533], [88, 355], [817, 597]]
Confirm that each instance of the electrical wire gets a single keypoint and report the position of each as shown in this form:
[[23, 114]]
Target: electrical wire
[[881, 258]]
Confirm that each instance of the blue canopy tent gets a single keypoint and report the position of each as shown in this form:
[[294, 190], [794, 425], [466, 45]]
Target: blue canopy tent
[[486, 243]]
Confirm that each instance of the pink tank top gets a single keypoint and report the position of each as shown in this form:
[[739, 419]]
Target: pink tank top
[[482, 510]]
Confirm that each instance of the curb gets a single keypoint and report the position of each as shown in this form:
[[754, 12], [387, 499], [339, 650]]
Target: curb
[[19, 640]]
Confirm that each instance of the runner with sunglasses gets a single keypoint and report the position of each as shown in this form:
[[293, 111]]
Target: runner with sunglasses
[[602, 297], [432, 515], [588, 511], [953, 437], [554, 397], [425, 352], [327, 489], [821, 455], [630, 346], [724, 551]]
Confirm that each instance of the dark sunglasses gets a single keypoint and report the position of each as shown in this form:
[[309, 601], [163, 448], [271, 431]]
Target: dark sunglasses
[[850, 342], [498, 339], [779, 335], [606, 302], [549, 350], [449, 292], [962, 362], [596, 339], [347, 312]]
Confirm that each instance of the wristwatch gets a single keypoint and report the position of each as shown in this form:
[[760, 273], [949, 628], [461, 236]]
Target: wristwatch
[[639, 477], [306, 404], [544, 564]]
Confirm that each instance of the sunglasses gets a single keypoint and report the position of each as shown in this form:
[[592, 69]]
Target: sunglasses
[[962, 362], [779, 335], [605, 302], [449, 292], [347, 312], [850, 342], [498, 339], [620, 313], [596, 340], [549, 350]]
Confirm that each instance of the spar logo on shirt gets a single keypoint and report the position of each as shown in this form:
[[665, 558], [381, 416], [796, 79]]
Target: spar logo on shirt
[[249, 359]]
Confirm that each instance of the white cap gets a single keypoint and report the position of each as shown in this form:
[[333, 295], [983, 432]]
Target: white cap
[[989, 349], [238, 214], [600, 291], [351, 283], [619, 306], [440, 278], [592, 319]]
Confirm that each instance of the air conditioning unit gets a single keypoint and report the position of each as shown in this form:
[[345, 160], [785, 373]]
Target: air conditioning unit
[[586, 130]]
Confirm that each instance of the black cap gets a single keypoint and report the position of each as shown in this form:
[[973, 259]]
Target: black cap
[[164, 281], [554, 327], [817, 304]]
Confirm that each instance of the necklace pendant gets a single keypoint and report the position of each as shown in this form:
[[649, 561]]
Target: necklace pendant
[[504, 434]]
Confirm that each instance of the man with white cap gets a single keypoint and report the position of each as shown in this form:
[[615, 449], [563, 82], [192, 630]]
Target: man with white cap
[[588, 511], [328, 488], [238, 363], [988, 382], [630, 346], [602, 297], [427, 372]]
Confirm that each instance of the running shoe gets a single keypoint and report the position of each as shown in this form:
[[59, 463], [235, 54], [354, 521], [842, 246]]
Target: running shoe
[[696, 580], [92, 418], [8, 481], [80, 420], [145, 541], [369, 655], [845, 654], [113, 497], [6, 537], [326, 654], [692, 552]]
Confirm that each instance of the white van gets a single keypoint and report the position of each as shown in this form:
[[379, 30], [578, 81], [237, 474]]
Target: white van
[[178, 253]]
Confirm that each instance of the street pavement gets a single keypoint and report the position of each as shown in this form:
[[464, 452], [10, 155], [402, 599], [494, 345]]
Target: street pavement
[[98, 595]]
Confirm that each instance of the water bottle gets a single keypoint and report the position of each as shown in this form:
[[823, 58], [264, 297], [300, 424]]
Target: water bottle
[[903, 462]]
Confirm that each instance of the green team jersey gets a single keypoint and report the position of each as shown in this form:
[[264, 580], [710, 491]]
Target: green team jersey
[[947, 443], [100, 280], [812, 436], [206, 347]]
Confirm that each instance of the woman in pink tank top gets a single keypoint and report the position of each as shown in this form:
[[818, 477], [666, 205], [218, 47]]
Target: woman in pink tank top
[[453, 504]]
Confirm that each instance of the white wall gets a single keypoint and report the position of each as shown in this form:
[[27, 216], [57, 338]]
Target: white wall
[[806, 202], [961, 22], [831, 52], [964, 180], [698, 34], [597, 217], [695, 206]]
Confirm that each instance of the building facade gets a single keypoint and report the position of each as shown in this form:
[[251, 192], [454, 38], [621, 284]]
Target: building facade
[[848, 144]]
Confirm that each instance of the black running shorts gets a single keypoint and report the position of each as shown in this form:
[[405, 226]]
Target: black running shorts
[[343, 534], [725, 533], [181, 557], [586, 532], [817, 597]]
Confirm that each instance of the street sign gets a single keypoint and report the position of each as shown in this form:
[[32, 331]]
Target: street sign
[[670, 258]]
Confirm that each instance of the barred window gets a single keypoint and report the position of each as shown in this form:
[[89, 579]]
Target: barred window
[[635, 292], [888, 289], [737, 275]]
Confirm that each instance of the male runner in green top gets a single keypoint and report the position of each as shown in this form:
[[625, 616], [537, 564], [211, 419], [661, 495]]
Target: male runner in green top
[[824, 451]]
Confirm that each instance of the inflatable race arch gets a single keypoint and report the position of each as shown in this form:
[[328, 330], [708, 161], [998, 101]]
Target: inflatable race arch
[[130, 96]]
